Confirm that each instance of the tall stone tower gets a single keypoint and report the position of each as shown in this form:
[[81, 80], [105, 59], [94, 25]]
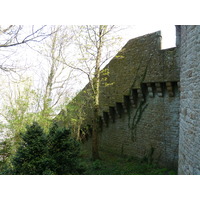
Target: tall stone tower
[[188, 43]]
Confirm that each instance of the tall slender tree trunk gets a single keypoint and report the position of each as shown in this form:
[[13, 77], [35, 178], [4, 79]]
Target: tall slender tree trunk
[[96, 85], [95, 132]]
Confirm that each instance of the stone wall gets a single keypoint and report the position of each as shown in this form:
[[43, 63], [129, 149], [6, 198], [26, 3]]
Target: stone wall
[[140, 106], [148, 130], [189, 51]]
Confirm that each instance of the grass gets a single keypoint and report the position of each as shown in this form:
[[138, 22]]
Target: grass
[[122, 166]]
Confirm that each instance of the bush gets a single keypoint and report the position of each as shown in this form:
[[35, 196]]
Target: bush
[[41, 154], [32, 155], [63, 151], [5, 153]]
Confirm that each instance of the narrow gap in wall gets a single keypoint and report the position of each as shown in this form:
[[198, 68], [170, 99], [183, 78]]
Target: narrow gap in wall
[[168, 37]]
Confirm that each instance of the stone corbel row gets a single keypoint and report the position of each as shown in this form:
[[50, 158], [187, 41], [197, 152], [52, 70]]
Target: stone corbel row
[[121, 108], [160, 88], [137, 95]]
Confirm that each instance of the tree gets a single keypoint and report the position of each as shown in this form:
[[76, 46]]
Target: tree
[[56, 76], [31, 157], [42, 154], [12, 36], [94, 44], [5, 152], [24, 102], [63, 151], [18, 110], [74, 115]]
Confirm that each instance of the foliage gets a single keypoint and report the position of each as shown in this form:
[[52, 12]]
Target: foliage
[[58, 154], [5, 152], [21, 108], [42, 154], [32, 155], [63, 151], [15, 115], [76, 113]]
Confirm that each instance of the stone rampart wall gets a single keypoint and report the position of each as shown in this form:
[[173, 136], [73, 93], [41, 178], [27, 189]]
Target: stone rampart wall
[[140, 106]]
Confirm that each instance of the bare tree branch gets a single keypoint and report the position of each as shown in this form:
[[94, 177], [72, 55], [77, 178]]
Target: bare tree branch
[[35, 36]]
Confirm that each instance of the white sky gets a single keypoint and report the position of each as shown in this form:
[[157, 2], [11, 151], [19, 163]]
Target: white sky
[[167, 31]]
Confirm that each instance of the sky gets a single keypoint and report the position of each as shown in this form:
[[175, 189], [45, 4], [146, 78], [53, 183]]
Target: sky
[[167, 31]]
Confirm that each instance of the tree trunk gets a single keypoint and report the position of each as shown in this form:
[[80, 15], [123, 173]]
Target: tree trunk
[[95, 133], [96, 84]]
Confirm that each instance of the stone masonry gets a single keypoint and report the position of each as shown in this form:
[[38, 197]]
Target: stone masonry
[[188, 42]]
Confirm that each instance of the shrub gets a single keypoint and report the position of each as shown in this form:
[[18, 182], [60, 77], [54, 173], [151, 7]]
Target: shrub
[[32, 155], [39, 154], [63, 151]]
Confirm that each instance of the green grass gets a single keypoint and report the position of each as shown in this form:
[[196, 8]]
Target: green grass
[[122, 167]]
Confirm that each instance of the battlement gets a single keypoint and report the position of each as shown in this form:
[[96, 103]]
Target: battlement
[[139, 100], [142, 94], [141, 61]]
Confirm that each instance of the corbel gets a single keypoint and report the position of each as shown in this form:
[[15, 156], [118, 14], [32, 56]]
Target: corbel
[[159, 89], [170, 89], [150, 90]]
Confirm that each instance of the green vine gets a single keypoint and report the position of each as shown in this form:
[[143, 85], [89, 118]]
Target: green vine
[[140, 109], [136, 119]]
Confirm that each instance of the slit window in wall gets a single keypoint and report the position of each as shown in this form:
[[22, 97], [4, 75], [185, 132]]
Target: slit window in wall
[[176, 88], [106, 118], [134, 97], [119, 109], [112, 113], [100, 123], [127, 102]]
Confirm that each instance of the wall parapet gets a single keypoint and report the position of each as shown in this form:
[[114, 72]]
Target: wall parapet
[[146, 90], [140, 61], [139, 102]]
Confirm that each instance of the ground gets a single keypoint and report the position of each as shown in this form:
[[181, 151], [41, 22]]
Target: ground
[[123, 166]]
